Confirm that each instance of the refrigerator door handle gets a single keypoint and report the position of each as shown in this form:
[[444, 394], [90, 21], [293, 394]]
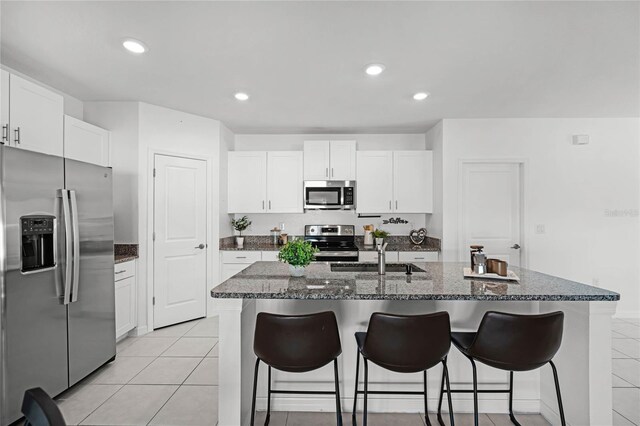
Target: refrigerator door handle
[[76, 246], [64, 195]]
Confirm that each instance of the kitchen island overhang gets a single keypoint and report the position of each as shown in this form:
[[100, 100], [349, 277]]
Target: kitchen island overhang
[[584, 360]]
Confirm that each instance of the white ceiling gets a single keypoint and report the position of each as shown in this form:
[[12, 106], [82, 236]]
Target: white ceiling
[[302, 62]]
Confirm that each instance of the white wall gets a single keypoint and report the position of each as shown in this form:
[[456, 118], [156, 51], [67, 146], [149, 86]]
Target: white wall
[[434, 140], [294, 223], [227, 143], [121, 119], [167, 131], [368, 142], [586, 196]]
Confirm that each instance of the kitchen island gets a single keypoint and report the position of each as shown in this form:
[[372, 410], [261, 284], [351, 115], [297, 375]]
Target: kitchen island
[[584, 361]]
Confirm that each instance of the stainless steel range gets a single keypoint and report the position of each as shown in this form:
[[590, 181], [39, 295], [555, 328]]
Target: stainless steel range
[[335, 242]]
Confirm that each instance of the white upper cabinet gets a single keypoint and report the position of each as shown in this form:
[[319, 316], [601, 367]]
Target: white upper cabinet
[[316, 160], [4, 105], [284, 182], [413, 181], [35, 117], [395, 182], [329, 160], [375, 181], [247, 182], [85, 142], [343, 160]]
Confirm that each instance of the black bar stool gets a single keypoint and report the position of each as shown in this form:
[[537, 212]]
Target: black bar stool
[[40, 410], [404, 344], [296, 344], [511, 342]]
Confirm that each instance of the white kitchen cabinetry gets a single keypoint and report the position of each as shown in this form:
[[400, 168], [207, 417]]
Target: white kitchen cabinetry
[[372, 256], [284, 182], [265, 182], [247, 182], [86, 142], [418, 256], [269, 256], [375, 182], [35, 117], [395, 182], [125, 282], [4, 105], [233, 262], [329, 160], [413, 181]]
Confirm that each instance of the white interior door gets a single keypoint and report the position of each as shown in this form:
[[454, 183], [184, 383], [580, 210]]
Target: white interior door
[[180, 248], [490, 210]]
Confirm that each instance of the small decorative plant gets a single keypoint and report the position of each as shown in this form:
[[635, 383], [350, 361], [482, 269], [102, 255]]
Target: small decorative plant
[[298, 254], [240, 225], [379, 233]]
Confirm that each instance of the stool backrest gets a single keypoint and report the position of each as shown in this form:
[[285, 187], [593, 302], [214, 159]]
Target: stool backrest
[[518, 342], [40, 410], [407, 343], [297, 343]]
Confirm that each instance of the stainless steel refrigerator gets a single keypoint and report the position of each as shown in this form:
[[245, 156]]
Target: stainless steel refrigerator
[[56, 273]]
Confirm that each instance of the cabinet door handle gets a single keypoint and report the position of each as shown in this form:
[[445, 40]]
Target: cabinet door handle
[[5, 133], [389, 205], [17, 135], [269, 204], [241, 257], [396, 204], [332, 172], [326, 172], [120, 272], [262, 204]]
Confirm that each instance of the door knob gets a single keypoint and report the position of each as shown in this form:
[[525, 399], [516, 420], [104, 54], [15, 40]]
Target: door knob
[[515, 246], [201, 246]]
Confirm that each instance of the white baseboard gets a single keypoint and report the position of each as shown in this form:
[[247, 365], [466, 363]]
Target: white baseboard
[[396, 404], [627, 314], [550, 414], [139, 331]]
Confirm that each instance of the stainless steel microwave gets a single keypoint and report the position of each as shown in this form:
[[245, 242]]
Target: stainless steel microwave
[[329, 195]]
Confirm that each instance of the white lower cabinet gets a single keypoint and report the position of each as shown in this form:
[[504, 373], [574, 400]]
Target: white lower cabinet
[[269, 256], [418, 256], [232, 262], [125, 282], [372, 256]]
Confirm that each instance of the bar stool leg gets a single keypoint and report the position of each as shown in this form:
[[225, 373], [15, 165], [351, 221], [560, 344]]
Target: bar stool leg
[[426, 408], [255, 384], [511, 415], [355, 396], [475, 393], [366, 388], [338, 409], [555, 379], [446, 375], [440, 421], [268, 417]]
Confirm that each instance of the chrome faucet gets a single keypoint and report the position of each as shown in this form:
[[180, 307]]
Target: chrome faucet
[[381, 258]]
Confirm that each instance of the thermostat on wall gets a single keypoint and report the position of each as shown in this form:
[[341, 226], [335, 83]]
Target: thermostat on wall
[[580, 139]]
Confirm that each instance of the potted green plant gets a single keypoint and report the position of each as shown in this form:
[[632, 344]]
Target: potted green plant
[[380, 235], [298, 254], [240, 225]]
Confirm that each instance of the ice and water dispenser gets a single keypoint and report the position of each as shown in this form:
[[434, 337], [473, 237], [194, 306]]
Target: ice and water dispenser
[[38, 243]]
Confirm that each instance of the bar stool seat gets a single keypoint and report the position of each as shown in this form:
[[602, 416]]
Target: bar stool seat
[[296, 344], [511, 342], [404, 344]]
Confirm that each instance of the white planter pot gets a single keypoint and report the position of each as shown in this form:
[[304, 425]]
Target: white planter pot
[[296, 271], [240, 242]]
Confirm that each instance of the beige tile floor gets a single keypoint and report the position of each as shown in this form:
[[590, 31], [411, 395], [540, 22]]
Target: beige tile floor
[[169, 377]]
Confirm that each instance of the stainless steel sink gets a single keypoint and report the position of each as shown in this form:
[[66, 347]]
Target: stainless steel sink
[[373, 267]]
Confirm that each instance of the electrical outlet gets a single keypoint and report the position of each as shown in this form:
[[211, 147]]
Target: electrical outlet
[[540, 229]]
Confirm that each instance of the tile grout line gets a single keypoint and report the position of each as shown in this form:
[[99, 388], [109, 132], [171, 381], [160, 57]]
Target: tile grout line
[[100, 405], [633, 423]]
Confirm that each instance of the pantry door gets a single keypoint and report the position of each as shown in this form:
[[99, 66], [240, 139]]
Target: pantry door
[[180, 245], [490, 210]]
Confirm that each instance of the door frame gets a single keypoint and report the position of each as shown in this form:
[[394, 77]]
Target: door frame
[[523, 168], [150, 258]]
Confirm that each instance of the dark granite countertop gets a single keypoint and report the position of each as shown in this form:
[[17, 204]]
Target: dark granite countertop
[[125, 252], [399, 247], [265, 243], [124, 258], [440, 281]]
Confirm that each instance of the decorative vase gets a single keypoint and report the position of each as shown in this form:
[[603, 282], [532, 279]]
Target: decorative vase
[[296, 271], [379, 241], [240, 242]]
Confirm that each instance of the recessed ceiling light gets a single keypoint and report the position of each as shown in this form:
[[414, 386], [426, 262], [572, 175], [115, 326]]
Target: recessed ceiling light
[[421, 96], [241, 96], [134, 46], [374, 69]]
